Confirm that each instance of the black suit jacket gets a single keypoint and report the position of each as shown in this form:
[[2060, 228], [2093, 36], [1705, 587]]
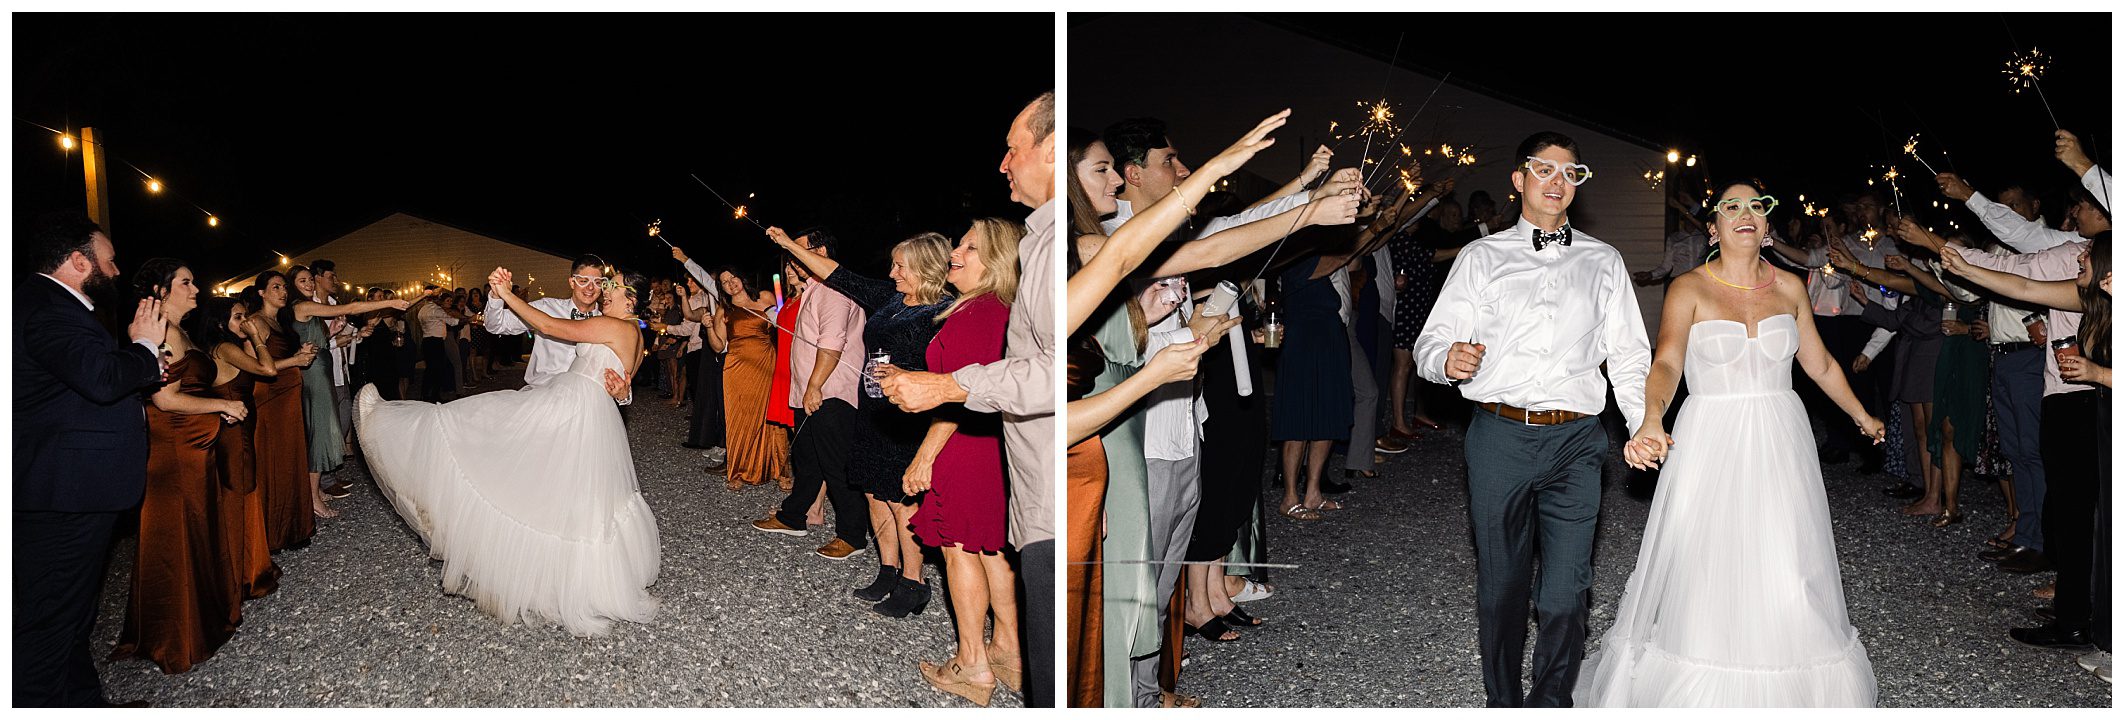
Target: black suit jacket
[[80, 430]]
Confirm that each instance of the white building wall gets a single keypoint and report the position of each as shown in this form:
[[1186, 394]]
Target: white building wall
[[1227, 72]]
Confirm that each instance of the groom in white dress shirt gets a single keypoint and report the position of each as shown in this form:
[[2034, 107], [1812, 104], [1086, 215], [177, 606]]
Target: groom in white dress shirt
[[550, 357], [1557, 304]]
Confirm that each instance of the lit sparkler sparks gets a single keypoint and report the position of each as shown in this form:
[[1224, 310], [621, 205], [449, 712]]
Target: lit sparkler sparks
[[656, 230], [2025, 71]]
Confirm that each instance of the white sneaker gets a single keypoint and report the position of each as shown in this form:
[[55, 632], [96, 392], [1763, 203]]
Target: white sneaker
[[715, 454], [2097, 662]]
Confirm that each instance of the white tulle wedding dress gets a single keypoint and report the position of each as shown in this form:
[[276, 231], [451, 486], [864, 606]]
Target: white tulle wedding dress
[[528, 497], [1736, 600]]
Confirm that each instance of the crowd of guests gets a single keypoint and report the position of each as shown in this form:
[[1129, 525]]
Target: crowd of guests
[[1972, 346], [237, 409]]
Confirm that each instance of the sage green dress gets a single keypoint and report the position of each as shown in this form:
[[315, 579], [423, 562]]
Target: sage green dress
[[327, 445], [1129, 591]]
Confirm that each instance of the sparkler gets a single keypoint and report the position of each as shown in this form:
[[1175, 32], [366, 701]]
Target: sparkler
[[741, 214], [1910, 148], [656, 230], [2024, 71]]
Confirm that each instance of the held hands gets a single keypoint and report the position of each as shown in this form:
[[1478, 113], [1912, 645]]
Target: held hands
[[148, 323], [1463, 360], [1254, 141], [1872, 427], [1648, 448], [497, 282], [1952, 186]]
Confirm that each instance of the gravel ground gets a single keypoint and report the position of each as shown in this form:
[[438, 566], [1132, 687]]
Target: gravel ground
[[748, 618], [1381, 610]]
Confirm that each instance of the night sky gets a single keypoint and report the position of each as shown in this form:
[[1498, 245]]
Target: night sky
[[562, 132], [1807, 102]]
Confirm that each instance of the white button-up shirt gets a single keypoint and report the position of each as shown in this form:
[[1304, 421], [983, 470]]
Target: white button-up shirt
[[549, 357], [1548, 319]]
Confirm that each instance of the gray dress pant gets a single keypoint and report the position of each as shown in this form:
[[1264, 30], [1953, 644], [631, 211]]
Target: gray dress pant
[[1533, 489], [1175, 494]]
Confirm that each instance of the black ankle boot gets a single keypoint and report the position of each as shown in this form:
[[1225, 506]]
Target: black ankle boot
[[888, 578], [908, 596]]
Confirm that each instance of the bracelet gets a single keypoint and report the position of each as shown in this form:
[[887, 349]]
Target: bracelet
[[1183, 201]]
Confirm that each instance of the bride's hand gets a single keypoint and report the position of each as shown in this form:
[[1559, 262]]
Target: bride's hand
[[616, 385], [498, 281], [1648, 448], [1872, 427]]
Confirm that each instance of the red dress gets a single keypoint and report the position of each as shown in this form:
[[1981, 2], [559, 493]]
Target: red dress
[[239, 507], [778, 410], [966, 505], [179, 611], [280, 450]]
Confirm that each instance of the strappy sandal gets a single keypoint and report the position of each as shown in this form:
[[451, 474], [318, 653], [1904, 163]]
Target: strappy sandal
[[1214, 631], [1326, 504], [950, 678], [1301, 512]]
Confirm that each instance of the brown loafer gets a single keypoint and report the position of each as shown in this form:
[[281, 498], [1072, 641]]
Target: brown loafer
[[837, 550], [774, 525]]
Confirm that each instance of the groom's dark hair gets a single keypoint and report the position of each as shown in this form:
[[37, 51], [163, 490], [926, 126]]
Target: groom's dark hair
[[587, 260], [1542, 140]]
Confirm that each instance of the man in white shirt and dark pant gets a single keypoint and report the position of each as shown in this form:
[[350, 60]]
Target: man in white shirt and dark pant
[[1556, 304], [550, 357]]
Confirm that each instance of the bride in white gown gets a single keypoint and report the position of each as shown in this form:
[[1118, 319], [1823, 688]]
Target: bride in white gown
[[1736, 600], [529, 497]]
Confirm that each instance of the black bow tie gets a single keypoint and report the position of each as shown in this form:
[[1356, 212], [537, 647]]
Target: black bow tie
[[1562, 236], [578, 314]]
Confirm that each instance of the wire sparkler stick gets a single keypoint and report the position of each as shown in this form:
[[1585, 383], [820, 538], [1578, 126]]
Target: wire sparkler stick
[[1910, 148], [739, 209]]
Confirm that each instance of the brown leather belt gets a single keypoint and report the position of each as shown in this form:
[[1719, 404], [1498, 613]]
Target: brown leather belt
[[1531, 417]]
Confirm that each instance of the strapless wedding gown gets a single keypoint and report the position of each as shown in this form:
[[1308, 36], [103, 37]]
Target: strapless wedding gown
[[1736, 600], [527, 497]]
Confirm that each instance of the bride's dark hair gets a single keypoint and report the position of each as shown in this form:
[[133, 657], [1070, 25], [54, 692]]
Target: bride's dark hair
[[1711, 219]]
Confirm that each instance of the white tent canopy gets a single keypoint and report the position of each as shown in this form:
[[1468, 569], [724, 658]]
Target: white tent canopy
[[401, 251]]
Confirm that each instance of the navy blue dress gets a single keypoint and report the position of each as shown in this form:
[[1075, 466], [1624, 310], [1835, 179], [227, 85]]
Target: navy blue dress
[[1313, 375], [886, 438]]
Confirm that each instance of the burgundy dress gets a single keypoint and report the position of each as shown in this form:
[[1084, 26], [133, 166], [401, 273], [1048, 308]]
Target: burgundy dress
[[966, 505], [239, 507], [179, 610], [280, 450]]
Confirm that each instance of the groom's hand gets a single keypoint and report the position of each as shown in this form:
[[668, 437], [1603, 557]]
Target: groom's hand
[[1463, 360]]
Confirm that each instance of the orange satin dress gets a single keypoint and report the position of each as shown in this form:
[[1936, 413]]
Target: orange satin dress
[[179, 611], [280, 450], [239, 508], [758, 450], [1085, 628]]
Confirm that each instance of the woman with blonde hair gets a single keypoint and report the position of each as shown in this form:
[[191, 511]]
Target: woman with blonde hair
[[903, 314]]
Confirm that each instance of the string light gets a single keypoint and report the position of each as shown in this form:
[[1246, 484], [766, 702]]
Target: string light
[[154, 186], [66, 142], [1673, 156], [1692, 161], [216, 222]]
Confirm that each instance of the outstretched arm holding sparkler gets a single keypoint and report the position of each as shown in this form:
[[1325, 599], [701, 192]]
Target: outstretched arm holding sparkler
[[1314, 169], [1130, 244], [2017, 232], [2091, 176]]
